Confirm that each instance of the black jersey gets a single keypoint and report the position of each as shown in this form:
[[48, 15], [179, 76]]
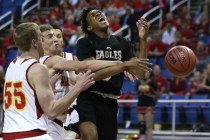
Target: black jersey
[[113, 48]]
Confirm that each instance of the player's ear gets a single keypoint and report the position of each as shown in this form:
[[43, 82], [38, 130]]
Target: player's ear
[[90, 28], [34, 43]]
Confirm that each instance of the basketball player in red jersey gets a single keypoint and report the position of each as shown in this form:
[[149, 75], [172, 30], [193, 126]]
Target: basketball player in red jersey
[[28, 97]]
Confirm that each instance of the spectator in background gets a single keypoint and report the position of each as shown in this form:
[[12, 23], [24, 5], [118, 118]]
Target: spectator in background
[[159, 79], [203, 20], [178, 86], [193, 25], [98, 3], [128, 18], [203, 26], [114, 22], [179, 40], [186, 30], [114, 6], [8, 41], [69, 27], [182, 12], [195, 81], [37, 18], [147, 96], [55, 15], [156, 48], [202, 56], [201, 52], [110, 5], [141, 6], [67, 4], [169, 18], [193, 42], [83, 4], [204, 87], [73, 40], [168, 35], [53, 20]]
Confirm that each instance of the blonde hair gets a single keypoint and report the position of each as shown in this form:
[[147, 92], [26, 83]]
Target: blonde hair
[[45, 27], [24, 34]]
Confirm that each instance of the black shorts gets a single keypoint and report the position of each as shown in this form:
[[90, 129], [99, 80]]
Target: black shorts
[[145, 100], [101, 111]]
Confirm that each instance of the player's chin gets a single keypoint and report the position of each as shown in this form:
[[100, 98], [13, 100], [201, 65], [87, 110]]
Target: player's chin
[[104, 25]]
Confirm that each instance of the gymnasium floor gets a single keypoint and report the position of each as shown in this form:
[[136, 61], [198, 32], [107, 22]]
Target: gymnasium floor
[[122, 133], [172, 137]]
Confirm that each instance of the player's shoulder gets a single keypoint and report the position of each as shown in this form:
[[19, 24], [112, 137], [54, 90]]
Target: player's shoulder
[[119, 38], [38, 68], [85, 42], [37, 73], [84, 39], [51, 60]]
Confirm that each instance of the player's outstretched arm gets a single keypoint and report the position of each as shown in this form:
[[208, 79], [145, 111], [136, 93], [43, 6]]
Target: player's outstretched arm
[[135, 63], [59, 63], [39, 80]]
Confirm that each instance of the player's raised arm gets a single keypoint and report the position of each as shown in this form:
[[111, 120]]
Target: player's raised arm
[[143, 28]]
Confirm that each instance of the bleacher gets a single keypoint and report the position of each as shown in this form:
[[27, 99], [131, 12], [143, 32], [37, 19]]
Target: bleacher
[[11, 5], [186, 113]]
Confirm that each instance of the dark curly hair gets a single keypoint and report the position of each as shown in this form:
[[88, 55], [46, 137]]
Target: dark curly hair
[[84, 23]]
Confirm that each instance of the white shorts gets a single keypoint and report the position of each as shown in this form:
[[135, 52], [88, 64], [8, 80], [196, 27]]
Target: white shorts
[[59, 133], [55, 131], [42, 137]]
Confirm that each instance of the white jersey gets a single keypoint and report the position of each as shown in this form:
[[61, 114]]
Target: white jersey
[[22, 111], [55, 127], [63, 83]]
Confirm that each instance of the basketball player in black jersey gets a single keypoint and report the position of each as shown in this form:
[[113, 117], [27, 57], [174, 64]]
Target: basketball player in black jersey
[[97, 107]]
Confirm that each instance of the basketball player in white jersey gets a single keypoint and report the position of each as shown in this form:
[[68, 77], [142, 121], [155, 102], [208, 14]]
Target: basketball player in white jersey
[[55, 127], [55, 63], [28, 97]]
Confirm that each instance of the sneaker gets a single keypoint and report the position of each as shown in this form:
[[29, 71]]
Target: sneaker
[[127, 124]]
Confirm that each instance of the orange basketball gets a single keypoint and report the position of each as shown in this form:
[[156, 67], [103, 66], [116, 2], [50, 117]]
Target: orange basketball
[[180, 61]]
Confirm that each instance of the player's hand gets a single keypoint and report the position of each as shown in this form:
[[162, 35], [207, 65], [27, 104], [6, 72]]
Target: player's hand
[[130, 76], [138, 67], [53, 80], [85, 80], [143, 28], [136, 63]]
